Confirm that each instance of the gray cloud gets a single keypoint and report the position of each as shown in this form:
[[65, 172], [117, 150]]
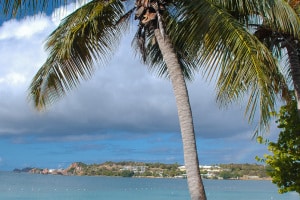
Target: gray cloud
[[121, 97], [122, 113]]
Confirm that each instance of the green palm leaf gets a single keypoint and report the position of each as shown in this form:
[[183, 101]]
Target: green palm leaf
[[243, 64], [13, 8], [88, 35], [276, 13]]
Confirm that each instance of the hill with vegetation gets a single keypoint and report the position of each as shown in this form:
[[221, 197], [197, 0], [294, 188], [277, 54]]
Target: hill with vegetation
[[141, 169], [125, 169], [231, 171]]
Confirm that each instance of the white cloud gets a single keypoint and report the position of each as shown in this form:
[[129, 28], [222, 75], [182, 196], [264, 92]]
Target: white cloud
[[13, 79], [28, 27], [21, 49], [25, 28]]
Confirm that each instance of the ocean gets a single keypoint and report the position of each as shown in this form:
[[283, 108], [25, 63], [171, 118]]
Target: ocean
[[24, 186]]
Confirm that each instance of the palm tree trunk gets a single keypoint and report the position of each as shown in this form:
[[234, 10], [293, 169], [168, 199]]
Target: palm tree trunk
[[294, 59], [195, 183]]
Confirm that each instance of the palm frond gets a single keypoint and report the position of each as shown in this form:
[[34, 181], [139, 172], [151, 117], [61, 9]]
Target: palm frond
[[87, 36], [139, 43], [146, 46], [278, 23], [277, 14], [14, 8], [226, 48], [283, 18]]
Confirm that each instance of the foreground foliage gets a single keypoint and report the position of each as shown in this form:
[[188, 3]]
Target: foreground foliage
[[285, 157]]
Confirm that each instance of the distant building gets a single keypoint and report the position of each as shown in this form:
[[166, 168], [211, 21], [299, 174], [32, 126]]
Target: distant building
[[181, 168], [207, 171], [135, 169]]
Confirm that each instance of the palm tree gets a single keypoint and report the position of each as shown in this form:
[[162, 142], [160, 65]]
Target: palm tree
[[282, 43], [175, 38], [235, 79]]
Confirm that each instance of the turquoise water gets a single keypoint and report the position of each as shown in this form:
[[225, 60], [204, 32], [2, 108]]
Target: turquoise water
[[45, 187]]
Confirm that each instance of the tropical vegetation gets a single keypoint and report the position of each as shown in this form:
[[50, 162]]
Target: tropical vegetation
[[275, 35], [157, 170], [175, 39], [284, 159], [140, 169], [233, 171], [286, 48]]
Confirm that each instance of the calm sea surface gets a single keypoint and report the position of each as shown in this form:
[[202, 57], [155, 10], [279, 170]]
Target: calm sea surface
[[45, 187]]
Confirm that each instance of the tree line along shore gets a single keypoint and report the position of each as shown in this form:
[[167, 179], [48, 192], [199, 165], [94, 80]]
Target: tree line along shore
[[157, 170]]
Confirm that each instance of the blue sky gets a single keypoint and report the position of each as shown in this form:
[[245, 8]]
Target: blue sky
[[124, 113]]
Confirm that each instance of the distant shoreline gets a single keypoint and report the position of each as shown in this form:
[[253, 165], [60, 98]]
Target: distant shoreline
[[156, 170], [141, 177]]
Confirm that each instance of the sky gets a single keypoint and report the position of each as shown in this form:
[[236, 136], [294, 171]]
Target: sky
[[123, 113]]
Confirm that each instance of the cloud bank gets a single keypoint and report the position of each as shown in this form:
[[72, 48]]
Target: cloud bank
[[123, 104]]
